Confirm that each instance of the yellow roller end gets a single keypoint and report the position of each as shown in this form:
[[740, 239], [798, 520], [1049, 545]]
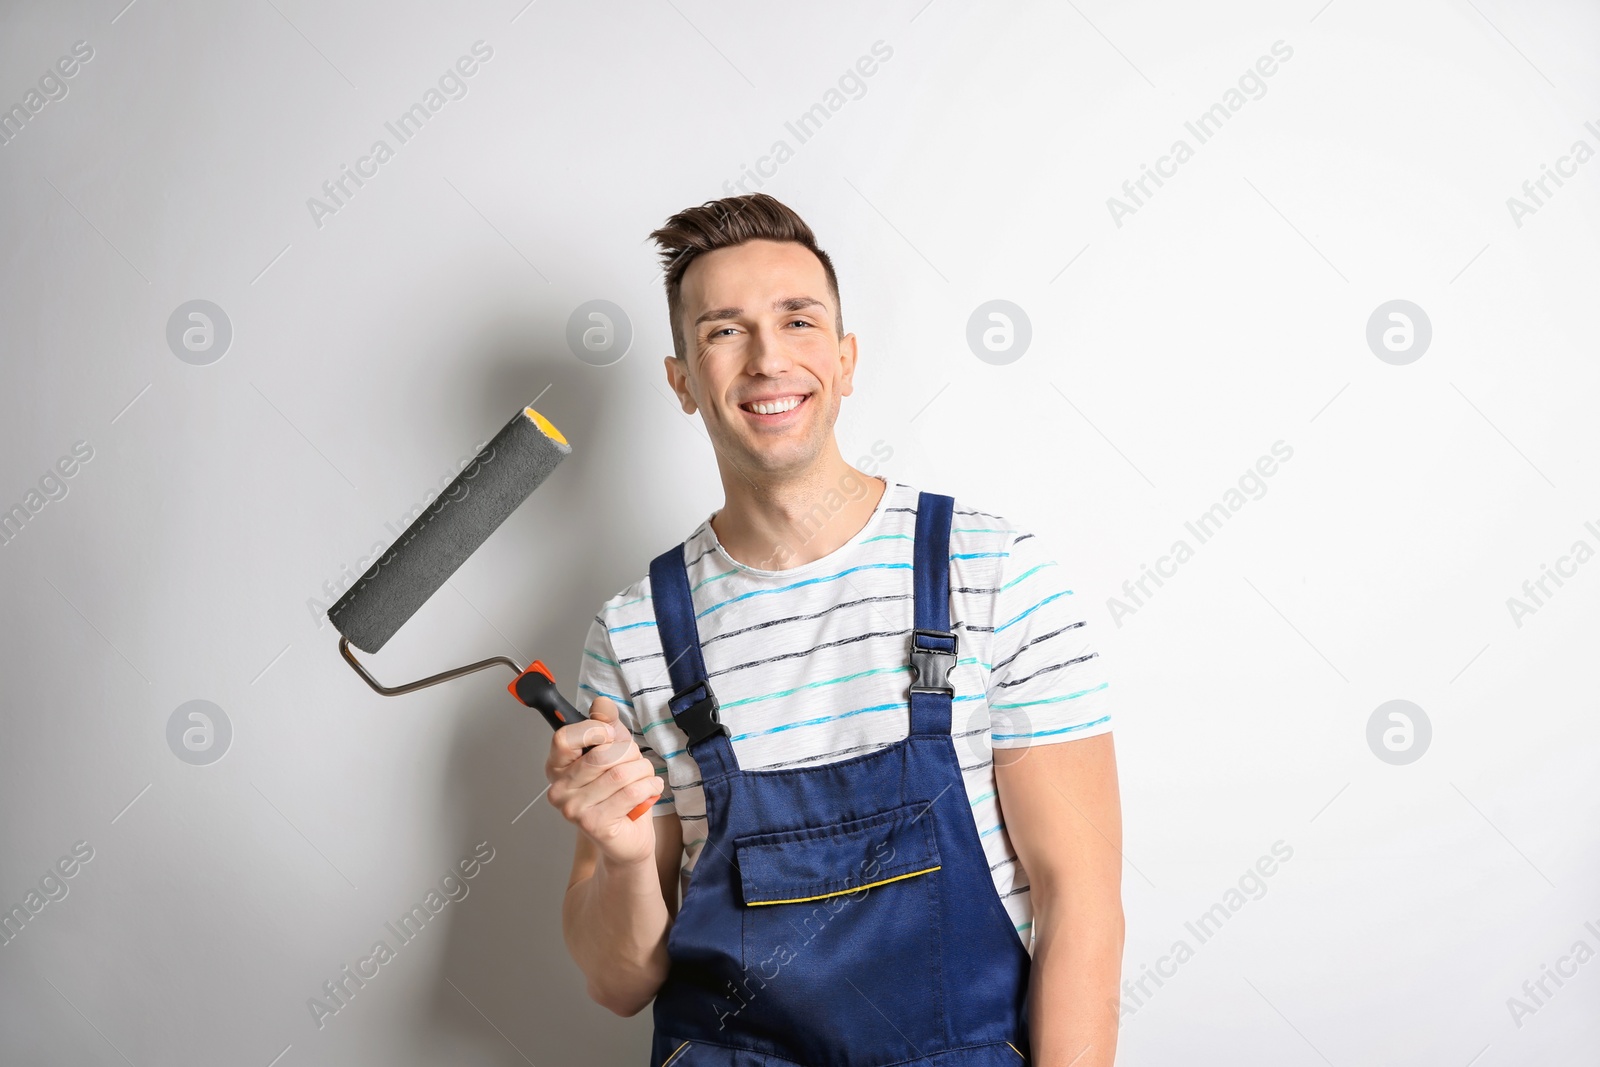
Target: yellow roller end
[[544, 425]]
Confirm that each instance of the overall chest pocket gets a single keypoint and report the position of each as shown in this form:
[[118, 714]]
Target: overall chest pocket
[[843, 923]]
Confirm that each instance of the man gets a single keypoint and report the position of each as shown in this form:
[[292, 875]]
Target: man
[[850, 705]]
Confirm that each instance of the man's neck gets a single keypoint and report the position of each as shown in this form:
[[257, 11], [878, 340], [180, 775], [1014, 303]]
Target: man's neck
[[787, 523]]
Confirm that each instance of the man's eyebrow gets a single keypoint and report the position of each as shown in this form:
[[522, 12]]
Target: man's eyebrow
[[793, 303]]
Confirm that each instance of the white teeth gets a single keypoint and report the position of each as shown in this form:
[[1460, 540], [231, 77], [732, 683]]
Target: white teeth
[[775, 407]]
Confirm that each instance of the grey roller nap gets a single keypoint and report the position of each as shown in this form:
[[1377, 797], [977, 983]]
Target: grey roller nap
[[472, 507]]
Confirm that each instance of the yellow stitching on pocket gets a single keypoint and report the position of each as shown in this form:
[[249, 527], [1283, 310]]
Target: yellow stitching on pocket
[[1017, 1050], [841, 892], [674, 1055]]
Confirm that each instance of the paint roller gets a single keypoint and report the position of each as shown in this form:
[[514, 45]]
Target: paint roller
[[482, 496]]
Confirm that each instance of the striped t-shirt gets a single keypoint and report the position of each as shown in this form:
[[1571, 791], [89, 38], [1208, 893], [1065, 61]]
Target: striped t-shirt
[[810, 664]]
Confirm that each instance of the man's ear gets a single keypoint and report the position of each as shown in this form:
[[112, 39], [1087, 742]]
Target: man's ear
[[847, 364], [678, 378]]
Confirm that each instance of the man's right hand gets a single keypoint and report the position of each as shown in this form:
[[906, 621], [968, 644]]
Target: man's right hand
[[596, 791]]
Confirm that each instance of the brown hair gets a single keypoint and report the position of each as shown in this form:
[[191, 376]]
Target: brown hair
[[724, 223]]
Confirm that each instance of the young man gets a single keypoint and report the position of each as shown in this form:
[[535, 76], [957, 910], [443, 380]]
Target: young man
[[850, 704]]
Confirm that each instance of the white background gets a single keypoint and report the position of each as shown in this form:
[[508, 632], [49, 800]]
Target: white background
[[372, 352]]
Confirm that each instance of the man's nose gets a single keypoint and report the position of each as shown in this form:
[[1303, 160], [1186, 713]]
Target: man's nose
[[767, 352]]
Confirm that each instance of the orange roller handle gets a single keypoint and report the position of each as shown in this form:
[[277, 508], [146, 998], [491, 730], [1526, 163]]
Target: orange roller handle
[[536, 688]]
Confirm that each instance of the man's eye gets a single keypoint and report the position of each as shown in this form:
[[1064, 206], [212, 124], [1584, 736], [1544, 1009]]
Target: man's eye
[[801, 322], [715, 333]]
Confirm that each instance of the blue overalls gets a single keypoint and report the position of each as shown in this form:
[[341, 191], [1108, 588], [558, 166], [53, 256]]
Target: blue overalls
[[843, 914]]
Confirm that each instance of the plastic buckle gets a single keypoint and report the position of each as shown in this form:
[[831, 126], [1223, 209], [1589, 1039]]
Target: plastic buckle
[[701, 719], [931, 666]]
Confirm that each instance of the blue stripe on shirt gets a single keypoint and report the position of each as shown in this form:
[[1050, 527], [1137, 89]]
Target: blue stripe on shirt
[[1060, 730], [1051, 700], [1030, 611], [797, 585]]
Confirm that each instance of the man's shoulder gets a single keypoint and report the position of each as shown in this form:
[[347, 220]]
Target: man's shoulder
[[638, 591], [908, 493], [978, 533], [981, 545], [632, 605], [969, 518]]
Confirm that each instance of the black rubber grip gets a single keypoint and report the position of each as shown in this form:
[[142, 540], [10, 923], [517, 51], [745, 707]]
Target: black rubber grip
[[541, 694], [535, 688]]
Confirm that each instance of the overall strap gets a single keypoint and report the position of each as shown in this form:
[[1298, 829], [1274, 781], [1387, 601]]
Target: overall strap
[[693, 705], [933, 644]]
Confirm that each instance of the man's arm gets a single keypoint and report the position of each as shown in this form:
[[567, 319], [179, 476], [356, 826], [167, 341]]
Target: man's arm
[[1056, 780], [623, 893], [616, 918], [1064, 817]]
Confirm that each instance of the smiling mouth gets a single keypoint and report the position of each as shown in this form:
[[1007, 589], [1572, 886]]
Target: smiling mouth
[[778, 406]]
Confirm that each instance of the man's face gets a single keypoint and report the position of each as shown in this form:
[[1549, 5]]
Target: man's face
[[762, 365]]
